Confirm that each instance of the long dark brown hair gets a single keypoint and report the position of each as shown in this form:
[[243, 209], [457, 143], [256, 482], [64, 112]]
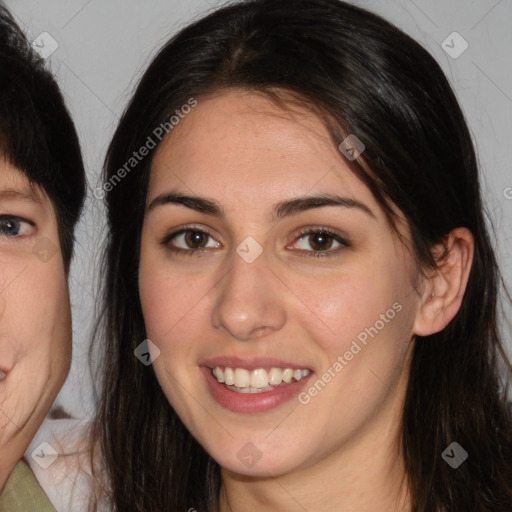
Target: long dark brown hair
[[369, 78]]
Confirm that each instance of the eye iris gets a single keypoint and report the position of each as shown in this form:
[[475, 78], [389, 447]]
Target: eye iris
[[195, 239], [320, 241], [10, 226]]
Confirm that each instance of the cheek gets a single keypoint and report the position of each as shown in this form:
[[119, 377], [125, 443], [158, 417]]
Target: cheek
[[168, 303], [35, 337], [174, 317], [345, 303], [172, 301], [40, 320]]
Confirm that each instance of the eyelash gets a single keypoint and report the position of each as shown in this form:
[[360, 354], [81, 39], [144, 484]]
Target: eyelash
[[6, 218], [306, 231], [324, 231]]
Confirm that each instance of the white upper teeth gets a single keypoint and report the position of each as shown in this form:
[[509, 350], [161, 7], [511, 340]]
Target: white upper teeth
[[259, 378]]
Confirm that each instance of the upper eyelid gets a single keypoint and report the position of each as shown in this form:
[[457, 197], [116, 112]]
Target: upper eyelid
[[184, 229], [17, 217]]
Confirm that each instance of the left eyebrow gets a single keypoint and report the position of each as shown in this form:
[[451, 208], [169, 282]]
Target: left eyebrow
[[301, 204], [280, 210]]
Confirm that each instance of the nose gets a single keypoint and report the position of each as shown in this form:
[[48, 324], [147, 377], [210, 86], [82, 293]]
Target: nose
[[249, 302]]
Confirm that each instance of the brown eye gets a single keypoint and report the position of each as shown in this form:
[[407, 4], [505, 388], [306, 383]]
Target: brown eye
[[320, 241], [196, 239], [187, 240]]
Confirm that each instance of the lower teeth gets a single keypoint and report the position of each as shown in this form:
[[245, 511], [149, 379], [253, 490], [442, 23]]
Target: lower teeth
[[250, 390], [256, 390]]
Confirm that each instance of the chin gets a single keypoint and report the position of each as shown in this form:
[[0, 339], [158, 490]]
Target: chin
[[251, 462]]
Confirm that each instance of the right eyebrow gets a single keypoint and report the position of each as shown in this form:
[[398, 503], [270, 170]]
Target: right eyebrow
[[10, 193], [199, 204]]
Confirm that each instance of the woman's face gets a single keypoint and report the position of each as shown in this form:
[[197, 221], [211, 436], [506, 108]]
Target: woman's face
[[35, 328], [243, 274]]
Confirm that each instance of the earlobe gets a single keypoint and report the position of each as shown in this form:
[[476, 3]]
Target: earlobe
[[445, 287]]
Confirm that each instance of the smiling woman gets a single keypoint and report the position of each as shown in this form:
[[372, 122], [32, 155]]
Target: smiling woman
[[312, 228], [42, 186]]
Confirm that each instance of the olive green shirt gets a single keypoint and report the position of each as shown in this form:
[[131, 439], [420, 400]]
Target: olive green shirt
[[22, 493]]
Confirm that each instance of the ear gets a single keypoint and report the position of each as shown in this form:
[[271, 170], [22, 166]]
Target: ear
[[443, 290]]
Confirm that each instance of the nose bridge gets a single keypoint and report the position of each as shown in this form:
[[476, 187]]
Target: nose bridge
[[248, 303]]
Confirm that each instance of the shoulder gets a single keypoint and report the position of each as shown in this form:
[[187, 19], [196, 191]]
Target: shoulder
[[59, 457], [22, 492]]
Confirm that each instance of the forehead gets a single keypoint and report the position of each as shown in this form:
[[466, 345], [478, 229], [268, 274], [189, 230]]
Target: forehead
[[243, 146], [16, 185]]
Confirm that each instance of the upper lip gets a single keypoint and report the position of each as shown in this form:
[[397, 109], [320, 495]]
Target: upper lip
[[251, 363]]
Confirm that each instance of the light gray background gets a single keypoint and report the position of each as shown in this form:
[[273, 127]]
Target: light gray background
[[104, 46]]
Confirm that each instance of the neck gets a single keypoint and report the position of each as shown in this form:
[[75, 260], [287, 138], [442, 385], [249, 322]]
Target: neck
[[331, 488], [365, 474], [373, 483]]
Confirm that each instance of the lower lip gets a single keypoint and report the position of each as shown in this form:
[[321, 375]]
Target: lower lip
[[252, 402]]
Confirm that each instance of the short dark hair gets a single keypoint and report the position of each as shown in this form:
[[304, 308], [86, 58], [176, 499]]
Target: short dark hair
[[37, 134]]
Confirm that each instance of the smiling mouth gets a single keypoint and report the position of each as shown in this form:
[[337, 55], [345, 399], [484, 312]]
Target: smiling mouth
[[259, 380]]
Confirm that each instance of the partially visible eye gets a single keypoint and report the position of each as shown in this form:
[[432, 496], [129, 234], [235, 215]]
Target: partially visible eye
[[189, 240], [320, 242], [12, 226]]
